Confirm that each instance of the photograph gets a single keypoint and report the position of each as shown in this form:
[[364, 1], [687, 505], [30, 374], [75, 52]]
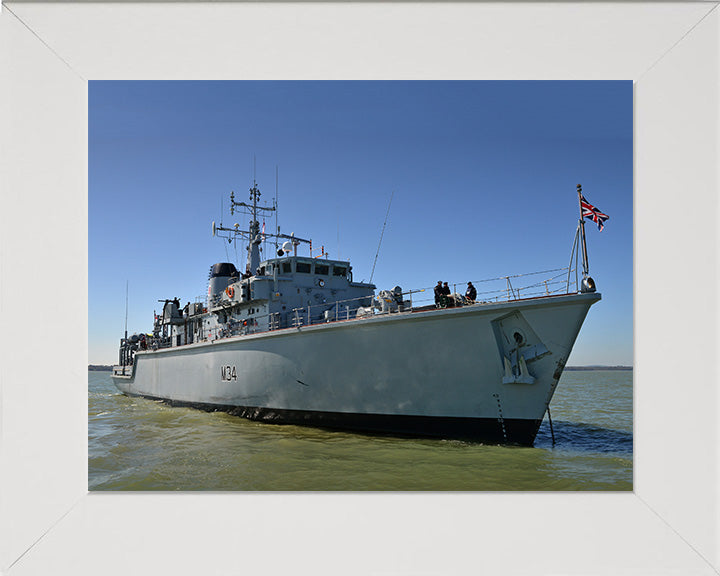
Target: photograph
[[360, 285], [392, 288]]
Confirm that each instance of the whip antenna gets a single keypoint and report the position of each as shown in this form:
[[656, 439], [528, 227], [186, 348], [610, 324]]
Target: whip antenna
[[227, 256], [123, 349], [381, 235], [127, 285]]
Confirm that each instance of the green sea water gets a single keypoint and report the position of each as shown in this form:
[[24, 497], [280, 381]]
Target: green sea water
[[139, 444]]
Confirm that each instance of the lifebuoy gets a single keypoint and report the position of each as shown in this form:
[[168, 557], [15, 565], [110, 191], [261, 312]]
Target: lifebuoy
[[230, 291]]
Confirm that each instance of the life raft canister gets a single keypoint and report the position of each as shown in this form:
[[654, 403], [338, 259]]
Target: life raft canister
[[230, 291]]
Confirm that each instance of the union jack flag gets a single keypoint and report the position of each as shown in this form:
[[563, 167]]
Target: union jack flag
[[589, 211]]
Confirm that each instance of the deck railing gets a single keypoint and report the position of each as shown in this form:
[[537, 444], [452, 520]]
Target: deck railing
[[499, 289], [509, 288]]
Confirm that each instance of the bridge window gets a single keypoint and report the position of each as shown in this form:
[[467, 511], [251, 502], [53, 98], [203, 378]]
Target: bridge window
[[339, 271], [322, 269], [286, 268], [303, 267]]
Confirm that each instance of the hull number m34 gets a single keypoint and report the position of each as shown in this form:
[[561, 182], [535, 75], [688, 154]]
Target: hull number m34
[[228, 373]]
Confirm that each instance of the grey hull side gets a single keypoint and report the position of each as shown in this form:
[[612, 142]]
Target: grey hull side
[[438, 373]]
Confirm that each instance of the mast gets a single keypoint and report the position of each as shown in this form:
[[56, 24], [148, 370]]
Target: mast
[[253, 234], [253, 261], [586, 264], [275, 204]]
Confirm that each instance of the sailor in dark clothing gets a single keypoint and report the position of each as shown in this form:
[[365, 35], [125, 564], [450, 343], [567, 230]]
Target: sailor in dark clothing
[[471, 293], [446, 300], [438, 293]]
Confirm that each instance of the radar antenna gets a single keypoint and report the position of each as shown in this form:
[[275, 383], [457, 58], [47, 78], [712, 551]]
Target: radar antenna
[[253, 236]]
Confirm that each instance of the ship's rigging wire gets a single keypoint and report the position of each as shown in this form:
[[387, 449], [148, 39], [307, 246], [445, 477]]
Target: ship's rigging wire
[[382, 233], [526, 274]]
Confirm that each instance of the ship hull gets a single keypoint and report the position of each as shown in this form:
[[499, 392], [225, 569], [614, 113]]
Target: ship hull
[[453, 373]]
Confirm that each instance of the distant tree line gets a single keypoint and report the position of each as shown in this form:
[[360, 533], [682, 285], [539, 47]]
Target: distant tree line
[[99, 368], [598, 368]]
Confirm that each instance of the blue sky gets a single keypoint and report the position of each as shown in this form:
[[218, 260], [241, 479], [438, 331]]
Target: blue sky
[[483, 175]]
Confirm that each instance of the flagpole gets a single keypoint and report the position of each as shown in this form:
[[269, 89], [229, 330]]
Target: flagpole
[[586, 264]]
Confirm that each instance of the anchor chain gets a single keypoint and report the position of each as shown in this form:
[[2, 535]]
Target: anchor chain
[[552, 432]]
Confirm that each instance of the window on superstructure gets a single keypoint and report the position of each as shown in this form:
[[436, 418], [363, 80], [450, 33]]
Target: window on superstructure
[[339, 271], [303, 267], [286, 268], [322, 269]]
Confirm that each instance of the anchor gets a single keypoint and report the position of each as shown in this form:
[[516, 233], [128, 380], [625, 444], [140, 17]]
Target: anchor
[[524, 376]]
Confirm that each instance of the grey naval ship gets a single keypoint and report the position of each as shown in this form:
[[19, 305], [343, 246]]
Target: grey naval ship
[[296, 340]]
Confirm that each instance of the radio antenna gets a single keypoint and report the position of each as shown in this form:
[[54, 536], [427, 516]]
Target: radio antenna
[[227, 256], [127, 285], [381, 235]]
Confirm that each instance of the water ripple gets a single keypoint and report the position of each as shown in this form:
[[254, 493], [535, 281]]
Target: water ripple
[[138, 444]]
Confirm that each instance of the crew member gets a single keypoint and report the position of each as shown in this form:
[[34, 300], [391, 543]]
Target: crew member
[[438, 293], [471, 293], [446, 296]]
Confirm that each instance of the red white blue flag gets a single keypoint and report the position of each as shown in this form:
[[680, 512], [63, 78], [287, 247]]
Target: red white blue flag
[[589, 211]]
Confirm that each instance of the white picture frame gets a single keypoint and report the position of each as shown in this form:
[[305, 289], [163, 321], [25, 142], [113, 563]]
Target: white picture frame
[[669, 524]]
